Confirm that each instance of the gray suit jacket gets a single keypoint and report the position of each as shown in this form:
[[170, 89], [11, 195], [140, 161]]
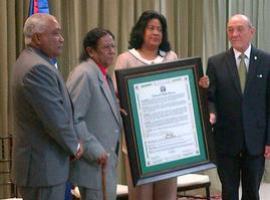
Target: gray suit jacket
[[98, 123], [44, 136]]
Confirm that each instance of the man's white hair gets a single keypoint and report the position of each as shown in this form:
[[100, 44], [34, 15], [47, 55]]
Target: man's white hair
[[244, 17], [36, 23]]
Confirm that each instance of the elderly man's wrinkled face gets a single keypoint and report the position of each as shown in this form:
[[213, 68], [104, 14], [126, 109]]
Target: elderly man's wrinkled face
[[105, 51], [50, 41], [240, 32]]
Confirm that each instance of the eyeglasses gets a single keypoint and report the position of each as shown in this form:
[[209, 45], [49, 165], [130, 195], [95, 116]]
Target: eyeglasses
[[107, 47]]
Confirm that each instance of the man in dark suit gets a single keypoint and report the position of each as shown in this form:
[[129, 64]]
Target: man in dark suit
[[239, 108], [44, 135]]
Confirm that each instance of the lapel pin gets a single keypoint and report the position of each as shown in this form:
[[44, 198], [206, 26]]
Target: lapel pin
[[259, 75], [255, 57]]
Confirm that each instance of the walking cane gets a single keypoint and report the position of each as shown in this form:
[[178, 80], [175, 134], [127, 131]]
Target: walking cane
[[103, 177]]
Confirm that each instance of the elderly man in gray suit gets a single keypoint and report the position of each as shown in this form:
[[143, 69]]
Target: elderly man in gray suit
[[44, 135], [97, 117]]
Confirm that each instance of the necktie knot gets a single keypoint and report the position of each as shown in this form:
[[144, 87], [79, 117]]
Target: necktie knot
[[242, 57]]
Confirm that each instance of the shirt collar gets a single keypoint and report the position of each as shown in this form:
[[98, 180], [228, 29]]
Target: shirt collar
[[247, 52], [159, 58], [102, 68], [52, 61]]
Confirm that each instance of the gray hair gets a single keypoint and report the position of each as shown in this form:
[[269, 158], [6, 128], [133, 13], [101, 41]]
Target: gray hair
[[36, 23], [245, 18]]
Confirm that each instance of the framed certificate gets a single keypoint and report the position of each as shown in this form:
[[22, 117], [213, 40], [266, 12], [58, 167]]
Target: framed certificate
[[165, 126]]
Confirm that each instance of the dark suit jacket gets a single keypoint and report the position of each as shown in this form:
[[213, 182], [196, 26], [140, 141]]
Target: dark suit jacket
[[44, 135], [242, 119]]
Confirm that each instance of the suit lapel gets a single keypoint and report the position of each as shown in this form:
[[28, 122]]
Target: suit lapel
[[253, 64], [107, 91], [67, 100], [232, 68]]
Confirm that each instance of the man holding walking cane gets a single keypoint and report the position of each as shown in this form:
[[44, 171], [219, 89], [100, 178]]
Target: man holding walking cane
[[97, 117]]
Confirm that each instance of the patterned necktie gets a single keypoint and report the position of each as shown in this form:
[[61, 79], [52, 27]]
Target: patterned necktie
[[242, 72]]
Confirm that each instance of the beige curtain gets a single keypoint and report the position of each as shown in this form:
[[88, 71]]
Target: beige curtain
[[196, 28], [12, 16], [79, 16]]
